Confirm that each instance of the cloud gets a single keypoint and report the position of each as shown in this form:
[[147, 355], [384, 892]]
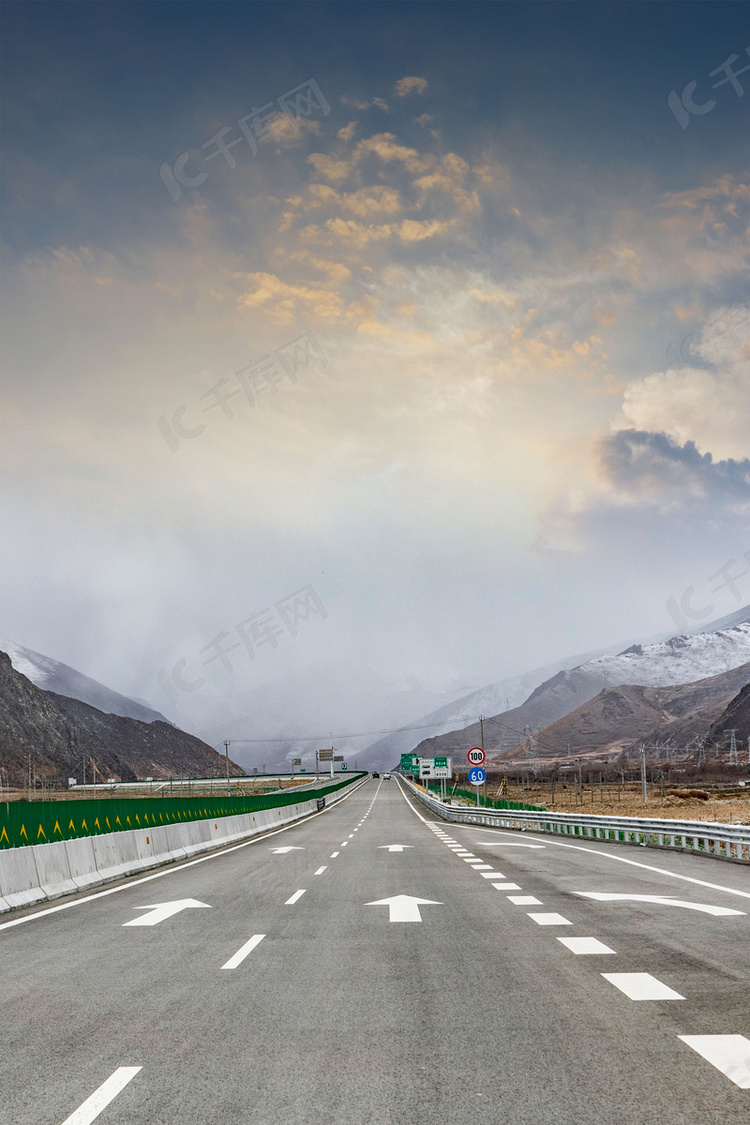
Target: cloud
[[651, 469], [710, 403], [410, 85]]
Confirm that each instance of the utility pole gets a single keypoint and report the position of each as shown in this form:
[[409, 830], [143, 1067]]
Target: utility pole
[[481, 731], [644, 787], [226, 755], [732, 747]]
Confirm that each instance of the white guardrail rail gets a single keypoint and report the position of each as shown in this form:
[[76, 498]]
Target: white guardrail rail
[[722, 841]]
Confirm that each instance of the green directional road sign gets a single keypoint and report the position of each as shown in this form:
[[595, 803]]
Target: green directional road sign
[[409, 763], [441, 761]]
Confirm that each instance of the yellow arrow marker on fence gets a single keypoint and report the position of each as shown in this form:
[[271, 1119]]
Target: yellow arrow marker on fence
[[23, 831], [84, 825], [5, 834], [57, 828], [71, 825], [98, 825], [40, 833], [118, 821]]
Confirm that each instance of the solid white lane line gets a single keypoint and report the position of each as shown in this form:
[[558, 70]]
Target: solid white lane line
[[728, 1053], [321, 870], [333, 855], [492, 875], [101, 1098], [585, 945], [173, 869], [642, 986], [635, 863], [295, 898], [549, 919], [524, 900], [243, 951], [506, 886]]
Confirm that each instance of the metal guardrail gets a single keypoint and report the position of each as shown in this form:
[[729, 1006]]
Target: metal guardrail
[[724, 841]]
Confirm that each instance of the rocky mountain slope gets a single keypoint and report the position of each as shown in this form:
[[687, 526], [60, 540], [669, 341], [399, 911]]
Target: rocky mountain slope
[[737, 716], [61, 734]]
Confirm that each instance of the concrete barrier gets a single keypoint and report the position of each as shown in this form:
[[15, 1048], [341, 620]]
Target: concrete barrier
[[53, 870], [19, 881], [45, 871]]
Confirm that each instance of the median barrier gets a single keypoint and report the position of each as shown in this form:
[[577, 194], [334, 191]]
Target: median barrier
[[53, 870], [36, 872], [19, 882], [81, 860], [127, 852]]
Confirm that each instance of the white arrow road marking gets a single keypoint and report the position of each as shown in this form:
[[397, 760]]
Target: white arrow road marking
[[585, 945], [728, 1053], [295, 898], [661, 900], [284, 850], [404, 908], [160, 911], [101, 1098], [642, 986], [243, 951], [395, 847]]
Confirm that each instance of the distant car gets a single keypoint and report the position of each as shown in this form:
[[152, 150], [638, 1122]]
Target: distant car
[[375, 773], [386, 776]]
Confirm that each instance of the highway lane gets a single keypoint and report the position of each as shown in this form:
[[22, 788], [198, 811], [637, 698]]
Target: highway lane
[[338, 1015]]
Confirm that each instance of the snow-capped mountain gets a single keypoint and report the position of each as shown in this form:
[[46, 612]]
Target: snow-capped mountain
[[679, 660], [52, 675]]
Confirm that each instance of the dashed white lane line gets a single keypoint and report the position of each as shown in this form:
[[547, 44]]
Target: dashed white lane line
[[506, 886], [350, 836], [466, 855], [170, 869], [642, 986], [492, 875], [321, 870], [524, 900], [333, 855], [295, 898], [343, 843], [101, 1098], [728, 1053], [243, 951], [481, 867], [584, 946], [549, 919]]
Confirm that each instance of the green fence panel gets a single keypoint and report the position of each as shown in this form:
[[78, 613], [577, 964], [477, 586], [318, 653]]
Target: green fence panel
[[518, 806], [23, 823]]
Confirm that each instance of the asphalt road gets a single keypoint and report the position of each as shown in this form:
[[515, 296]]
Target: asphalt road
[[476, 1014]]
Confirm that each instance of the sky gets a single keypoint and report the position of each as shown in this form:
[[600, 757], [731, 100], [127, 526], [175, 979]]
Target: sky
[[391, 344]]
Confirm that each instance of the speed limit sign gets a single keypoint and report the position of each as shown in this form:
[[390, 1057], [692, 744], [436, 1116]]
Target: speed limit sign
[[476, 756]]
